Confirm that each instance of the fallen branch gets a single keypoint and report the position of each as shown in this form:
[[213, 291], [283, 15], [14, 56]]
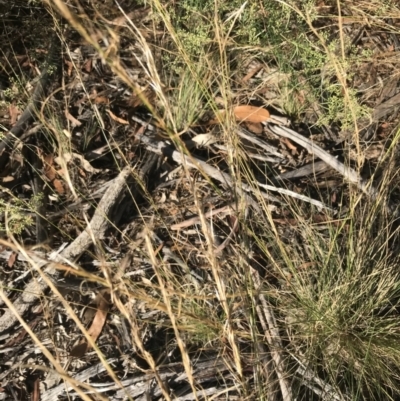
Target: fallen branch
[[48, 74], [93, 232], [161, 147], [271, 332], [347, 172]]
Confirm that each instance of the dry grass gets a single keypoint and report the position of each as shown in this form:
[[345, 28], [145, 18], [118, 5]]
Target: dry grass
[[298, 303]]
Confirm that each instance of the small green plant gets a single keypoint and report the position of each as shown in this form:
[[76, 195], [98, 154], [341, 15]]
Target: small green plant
[[18, 214], [275, 33]]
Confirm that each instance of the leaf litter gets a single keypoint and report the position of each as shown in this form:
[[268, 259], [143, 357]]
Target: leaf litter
[[168, 253]]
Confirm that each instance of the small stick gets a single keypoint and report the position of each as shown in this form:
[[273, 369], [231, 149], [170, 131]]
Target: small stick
[[94, 231]]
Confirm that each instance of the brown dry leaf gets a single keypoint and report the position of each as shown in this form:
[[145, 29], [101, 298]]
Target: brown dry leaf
[[374, 151], [58, 186], [70, 66], [82, 173], [257, 128], [103, 300], [247, 113], [252, 72], [12, 259], [49, 170], [117, 119], [136, 99], [51, 173], [290, 145], [74, 121], [101, 100], [101, 315], [286, 221], [251, 114], [138, 15], [79, 350], [87, 66], [306, 265], [14, 113]]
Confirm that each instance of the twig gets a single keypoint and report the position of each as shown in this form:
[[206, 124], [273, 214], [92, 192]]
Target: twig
[[314, 383], [94, 231], [259, 142], [272, 335], [136, 384], [304, 171], [161, 147], [86, 375], [295, 195], [306, 143], [49, 71], [222, 211]]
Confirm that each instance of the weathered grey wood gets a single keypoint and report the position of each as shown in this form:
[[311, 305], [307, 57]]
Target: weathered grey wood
[[96, 229]]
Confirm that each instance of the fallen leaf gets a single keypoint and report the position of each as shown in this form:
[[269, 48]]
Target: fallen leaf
[[252, 72], [87, 66], [103, 302], [69, 67], [257, 128], [82, 173], [79, 350], [12, 259], [14, 113], [74, 121], [58, 186], [251, 114], [101, 100], [49, 170], [290, 145], [117, 119], [103, 299], [146, 94], [248, 114]]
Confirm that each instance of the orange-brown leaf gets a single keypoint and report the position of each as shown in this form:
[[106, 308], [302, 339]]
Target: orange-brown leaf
[[251, 114], [102, 100], [103, 301], [72, 119], [100, 317], [116, 118], [58, 186], [87, 66], [12, 259], [290, 145], [14, 113], [246, 113], [49, 170], [257, 128]]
